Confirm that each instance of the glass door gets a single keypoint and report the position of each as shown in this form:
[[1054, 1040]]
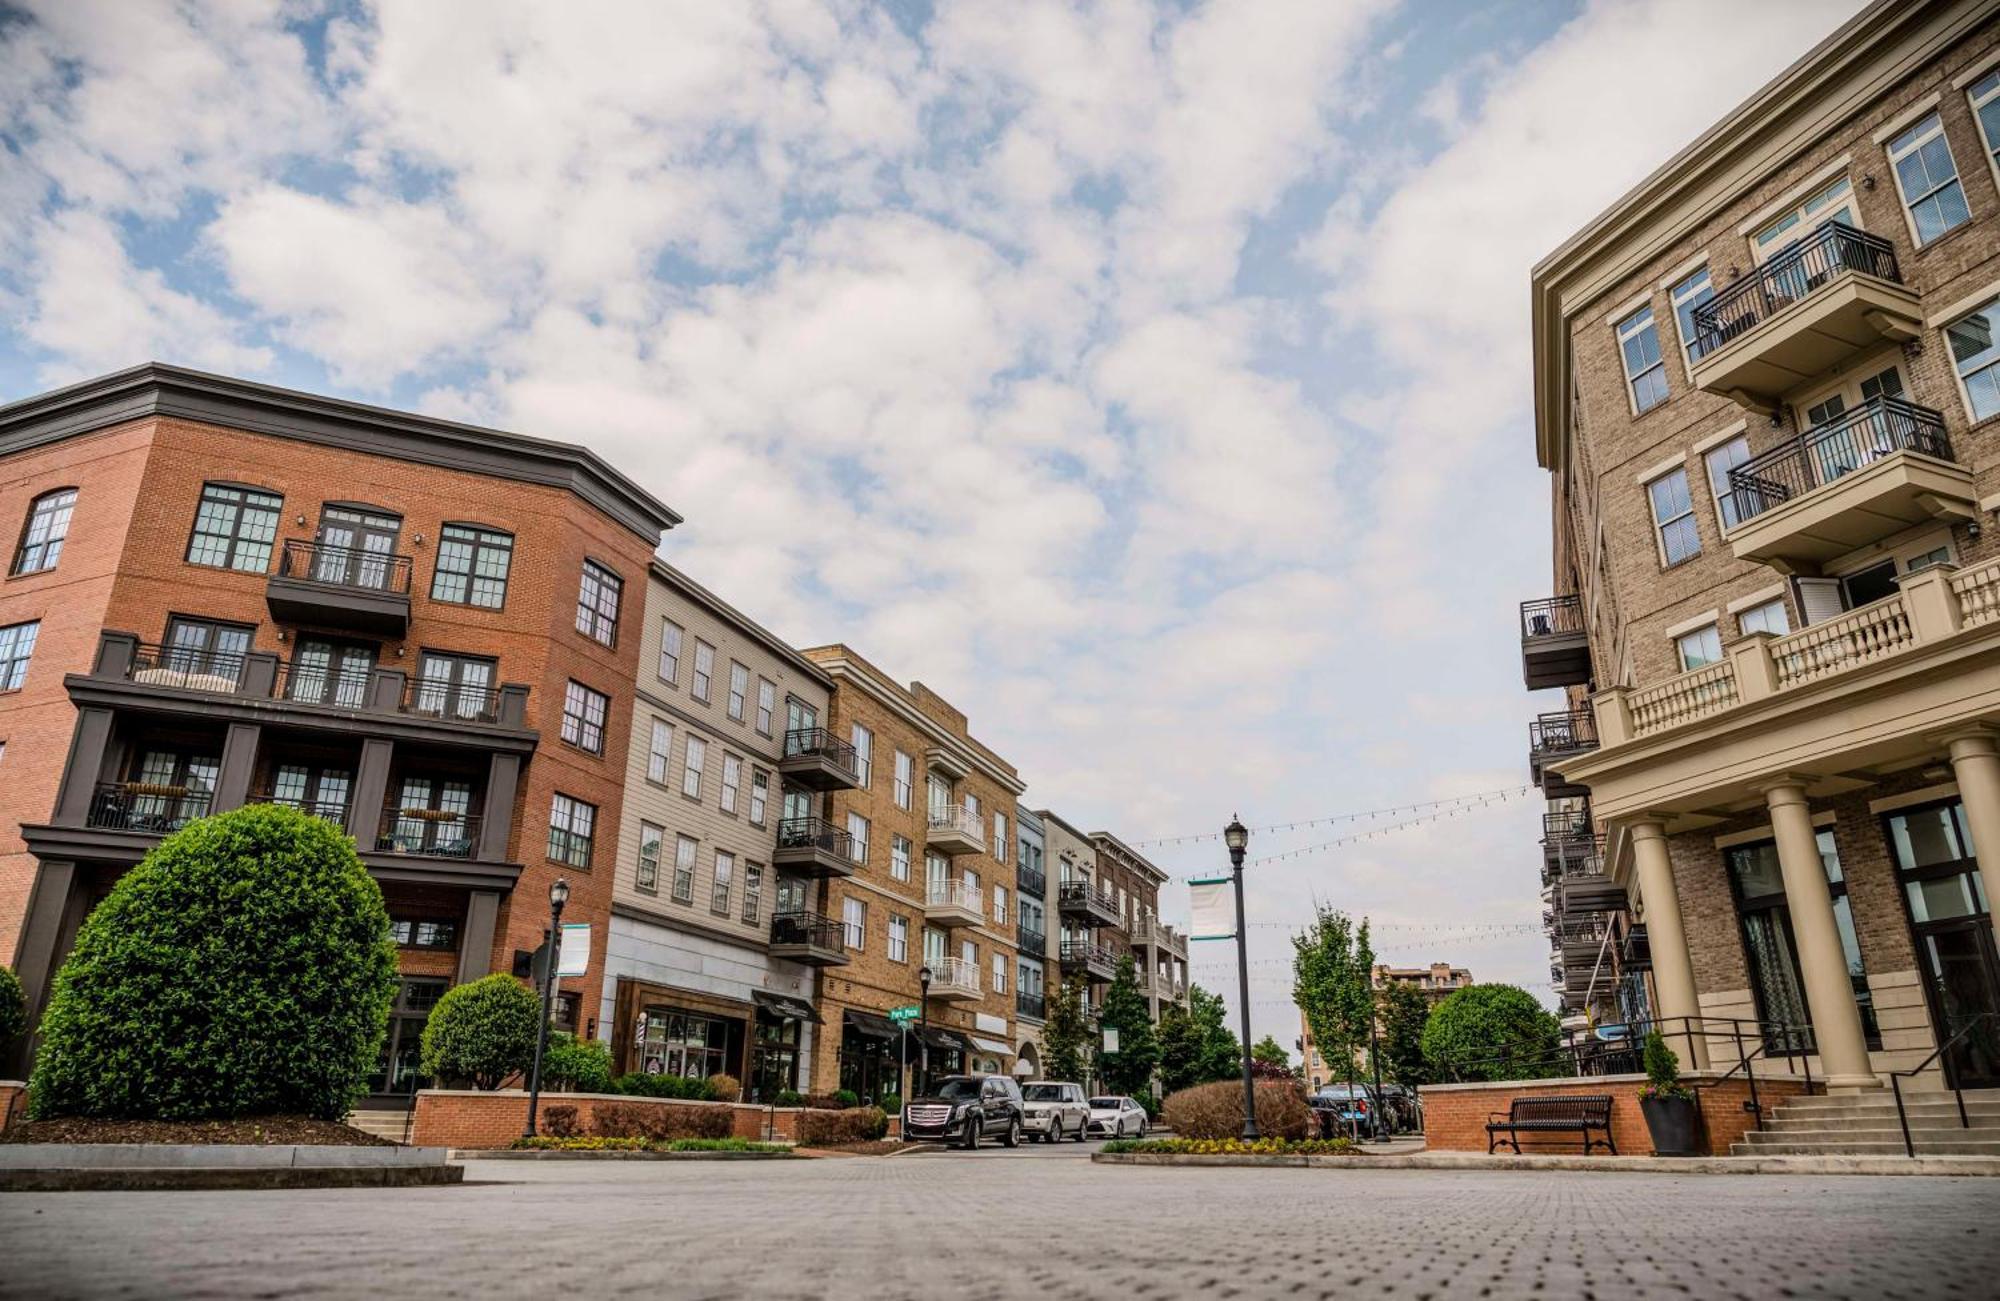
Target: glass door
[[330, 673], [1953, 927], [355, 547]]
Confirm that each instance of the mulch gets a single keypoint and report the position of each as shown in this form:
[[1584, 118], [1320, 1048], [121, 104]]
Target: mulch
[[253, 1130]]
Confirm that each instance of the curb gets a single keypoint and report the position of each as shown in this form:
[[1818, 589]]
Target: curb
[[164, 1179], [212, 1156], [1964, 1166], [511, 1154]]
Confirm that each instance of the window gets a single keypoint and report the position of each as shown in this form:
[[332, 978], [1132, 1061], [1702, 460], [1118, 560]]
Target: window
[[864, 752], [753, 892], [767, 703], [1985, 97], [583, 717], [1645, 370], [1702, 646], [48, 525], [670, 651], [1834, 203], [1769, 617], [597, 603], [456, 686], [739, 691], [695, 760], [704, 670], [659, 751], [725, 873], [899, 858], [899, 938], [905, 766], [857, 827], [472, 565], [650, 840], [854, 921], [684, 848], [1673, 515], [408, 933], [1686, 296], [1887, 383], [17, 646], [732, 781], [1720, 461], [1000, 836], [999, 973], [1974, 353], [999, 905], [571, 822], [1928, 179], [760, 795], [234, 528], [1759, 887]]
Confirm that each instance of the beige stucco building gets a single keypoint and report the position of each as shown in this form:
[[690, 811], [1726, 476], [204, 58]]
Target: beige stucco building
[[1767, 389]]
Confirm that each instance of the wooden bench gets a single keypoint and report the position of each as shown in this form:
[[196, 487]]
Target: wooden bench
[[1582, 1115]]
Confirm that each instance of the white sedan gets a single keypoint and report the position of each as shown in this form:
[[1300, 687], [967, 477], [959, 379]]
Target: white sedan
[[1116, 1118]]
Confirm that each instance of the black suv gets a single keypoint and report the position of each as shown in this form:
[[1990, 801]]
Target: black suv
[[964, 1109]]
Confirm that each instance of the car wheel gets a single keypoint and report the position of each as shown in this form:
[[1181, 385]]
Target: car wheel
[[1082, 1130], [973, 1124], [1013, 1136]]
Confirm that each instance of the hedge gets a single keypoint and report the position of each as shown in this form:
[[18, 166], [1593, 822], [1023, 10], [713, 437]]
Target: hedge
[[1215, 1111], [851, 1125], [572, 1065], [660, 1124], [242, 968], [483, 1032], [13, 1008]]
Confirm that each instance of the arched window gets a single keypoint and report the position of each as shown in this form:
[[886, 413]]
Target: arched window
[[47, 526]]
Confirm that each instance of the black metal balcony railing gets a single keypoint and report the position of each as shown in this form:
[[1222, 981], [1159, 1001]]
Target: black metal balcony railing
[[1877, 428], [431, 833], [153, 807], [1031, 881], [815, 833], [802, 742], [809, 929], [332, 810], [1569, 827], [320, 562], [1034, 1005], [1080, 894], [317, 682], [187, 668], [1562, 733], [1551, 615], [1087, 953], [1792, 275], [450, 700], [1031, 940]]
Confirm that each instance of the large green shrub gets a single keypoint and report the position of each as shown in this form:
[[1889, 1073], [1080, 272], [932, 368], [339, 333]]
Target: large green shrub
[[642, 1085], [850, 1125], [13, 1008], [1492, 1032], [572, 1065], [661, 1124], [483, 1032], [243, 968]]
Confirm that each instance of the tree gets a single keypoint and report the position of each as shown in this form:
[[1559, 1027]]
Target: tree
[[1270, 1052], [242, 968], [1404, 1011], [13, 1008], [1130, 1069], [483, 1032], [1221, 1055], [1491, 1032], [1333, 967], [1066, 1033]]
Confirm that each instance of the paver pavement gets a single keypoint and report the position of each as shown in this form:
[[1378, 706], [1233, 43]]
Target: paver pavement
[[1033, 1222]]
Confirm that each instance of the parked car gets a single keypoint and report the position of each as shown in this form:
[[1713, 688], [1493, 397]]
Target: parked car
[[1343, 1109], [1402, 1109], [1116, 1118], [964, 1109], [1055, 1111]]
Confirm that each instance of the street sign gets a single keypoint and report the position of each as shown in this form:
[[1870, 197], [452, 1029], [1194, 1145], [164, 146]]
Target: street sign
[[905, 1015], [1110, 1039]]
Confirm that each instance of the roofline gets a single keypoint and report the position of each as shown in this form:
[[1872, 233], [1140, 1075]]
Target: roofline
[[679, 581], [1131, 853], [1829, 84], [843, 662], [155, 389], [1050, 815]]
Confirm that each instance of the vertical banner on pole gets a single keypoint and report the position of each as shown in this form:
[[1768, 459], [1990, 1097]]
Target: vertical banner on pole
[[1213, 910]]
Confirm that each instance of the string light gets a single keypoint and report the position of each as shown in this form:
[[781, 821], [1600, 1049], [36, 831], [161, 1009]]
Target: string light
[[1475, 799]]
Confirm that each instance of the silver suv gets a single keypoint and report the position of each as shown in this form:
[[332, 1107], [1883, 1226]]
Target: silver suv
[[1054, 1111]]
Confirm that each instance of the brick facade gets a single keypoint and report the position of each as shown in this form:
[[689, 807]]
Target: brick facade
[[470, 1118], [1455, 1115]]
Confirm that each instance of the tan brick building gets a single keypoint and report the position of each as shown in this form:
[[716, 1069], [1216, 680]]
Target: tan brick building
[[930, 883], [222, 592], [1159, 952], [1767, 392]]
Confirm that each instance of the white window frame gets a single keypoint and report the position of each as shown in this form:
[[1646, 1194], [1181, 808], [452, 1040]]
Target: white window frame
[[1810, 213], [1000, 835], [999, 904], [702, 685], [899, 857], [1720, 490], [686, 849], [732, 782], [693, 760], [646, 874], [899, 938], [863, 742], [999, 973], [1685, 291], [1757, 618], [857, 828], [767, 705], [1917, 136], [671, 640], [1631, 326], [1991, 310], [1660, 525], [904, 789], [854, 923], [760, 795], [738, 707], [724, 882], [1984, 90], [1713, 631], [660, 751]]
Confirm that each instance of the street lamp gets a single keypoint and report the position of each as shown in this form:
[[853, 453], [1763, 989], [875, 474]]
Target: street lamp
[[558, 896], [1237, 837], [923, 1024]]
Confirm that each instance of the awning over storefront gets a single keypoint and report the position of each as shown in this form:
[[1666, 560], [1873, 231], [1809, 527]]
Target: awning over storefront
[[867, 1023], [988, 1046], [785, 1006], [948, 1040]]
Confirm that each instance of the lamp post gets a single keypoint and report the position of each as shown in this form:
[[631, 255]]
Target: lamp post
[[1375, 1058], [558, 896], [923, 1025], [1237, 837]]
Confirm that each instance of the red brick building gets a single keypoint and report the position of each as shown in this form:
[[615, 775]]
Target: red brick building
[[221, 592]]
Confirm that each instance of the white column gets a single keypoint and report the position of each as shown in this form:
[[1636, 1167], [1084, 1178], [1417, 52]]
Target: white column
[[1975, 759], [1666, 937], [1836, 1019]]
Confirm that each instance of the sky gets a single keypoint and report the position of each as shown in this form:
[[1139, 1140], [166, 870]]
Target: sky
[[1150, 379]]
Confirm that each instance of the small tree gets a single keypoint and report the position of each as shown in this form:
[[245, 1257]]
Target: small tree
[[1333, 967], [483, 1032], [1404, 1011], [573, 1065], [1221, 1056], [243, 968], [1491, 1032], [1663, 1070], [1066, 1033], [1130, 1069], [13, 1009], [1271, 1053]]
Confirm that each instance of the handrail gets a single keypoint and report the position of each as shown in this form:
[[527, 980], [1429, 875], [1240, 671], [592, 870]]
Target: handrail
[[1958, 1090], [1789, 277], [1551, 615], [338, 566], [1869, 432]]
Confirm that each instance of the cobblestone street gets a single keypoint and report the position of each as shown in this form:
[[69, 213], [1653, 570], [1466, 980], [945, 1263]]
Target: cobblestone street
[[1013, 1224]]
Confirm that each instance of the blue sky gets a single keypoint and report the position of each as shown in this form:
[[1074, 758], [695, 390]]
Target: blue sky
[[1149, 378]]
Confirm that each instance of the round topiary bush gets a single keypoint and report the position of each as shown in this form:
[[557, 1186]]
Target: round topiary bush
[[572, 1065], [13, 1008], [1492, 1032], [483, 1032], [243, 968]]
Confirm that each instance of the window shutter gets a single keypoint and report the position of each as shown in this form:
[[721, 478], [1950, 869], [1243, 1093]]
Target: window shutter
[[1818, 599]]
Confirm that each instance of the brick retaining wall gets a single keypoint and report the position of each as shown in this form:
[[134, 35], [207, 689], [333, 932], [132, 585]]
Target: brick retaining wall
[[480, 1118], [1455, 1115], [13, 1101]]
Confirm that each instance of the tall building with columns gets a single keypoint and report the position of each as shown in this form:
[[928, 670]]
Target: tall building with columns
[[1767, 392]]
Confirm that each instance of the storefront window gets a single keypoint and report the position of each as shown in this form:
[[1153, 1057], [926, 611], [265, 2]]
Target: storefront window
[[774, 1057], [679, 1043], [1772, 955], [396, 1068]]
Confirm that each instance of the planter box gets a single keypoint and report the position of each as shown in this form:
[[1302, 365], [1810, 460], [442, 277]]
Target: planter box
[[480, 1118], [1455, 1115]]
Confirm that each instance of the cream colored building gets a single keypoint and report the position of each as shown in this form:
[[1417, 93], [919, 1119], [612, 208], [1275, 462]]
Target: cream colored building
[[1767, 387]]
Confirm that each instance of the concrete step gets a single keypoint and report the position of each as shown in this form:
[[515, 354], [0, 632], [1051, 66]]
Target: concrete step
[[392, 1125], [1785, 1120], [1863, 1110], [1845, 1147], [1875, 1133]]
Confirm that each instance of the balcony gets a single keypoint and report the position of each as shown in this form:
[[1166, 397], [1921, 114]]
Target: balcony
[[1152, 933], [814, 847], [954, 903], [1082, 900], [1567, 836], [955, 980], [420, 832], [810, 938], [1031, 1007], [1553, 738], [1030, 940], [816, 760], [327, 810], [1581, 940], [184, 669], [1879, 469], [341, 587], [1031, 881], [1590, 894], [1801, 314], [1555, 647], [149, 808], [1088, 956], [955, 829]]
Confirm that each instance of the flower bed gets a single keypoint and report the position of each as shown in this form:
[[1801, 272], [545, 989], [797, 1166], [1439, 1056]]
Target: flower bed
[[1231, 1147], [548, 1143]]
